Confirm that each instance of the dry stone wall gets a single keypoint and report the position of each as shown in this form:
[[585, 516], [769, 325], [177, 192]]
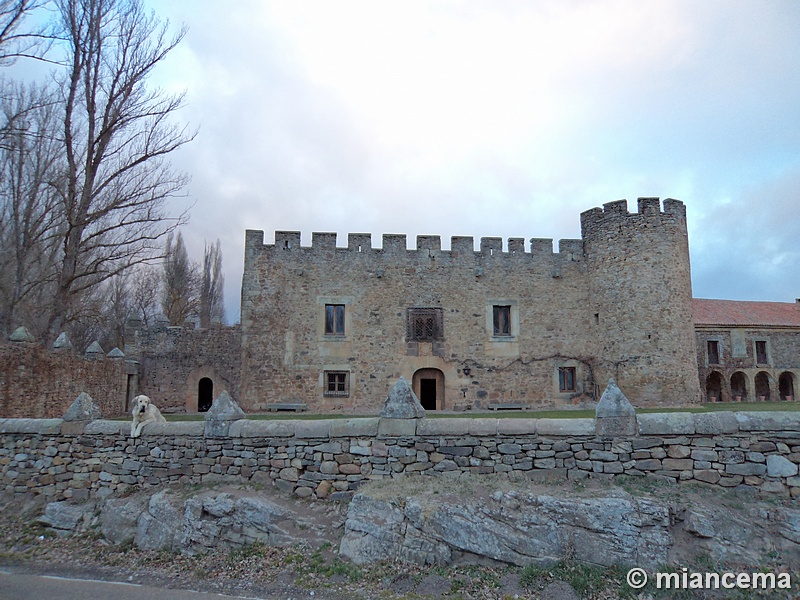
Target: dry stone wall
[[332, 458]]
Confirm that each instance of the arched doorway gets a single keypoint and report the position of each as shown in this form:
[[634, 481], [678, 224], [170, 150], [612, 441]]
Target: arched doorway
[[205, 394], [762, 386], [428, 385], [714, 387], [739, 387], [786, 386]]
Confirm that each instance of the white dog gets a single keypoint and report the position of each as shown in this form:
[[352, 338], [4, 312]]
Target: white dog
[[144, 412]]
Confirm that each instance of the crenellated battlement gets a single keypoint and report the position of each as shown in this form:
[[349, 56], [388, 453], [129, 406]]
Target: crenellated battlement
[[396, 245], [649, 210]]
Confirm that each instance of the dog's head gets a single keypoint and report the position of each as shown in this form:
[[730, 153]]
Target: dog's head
[[140, 404]]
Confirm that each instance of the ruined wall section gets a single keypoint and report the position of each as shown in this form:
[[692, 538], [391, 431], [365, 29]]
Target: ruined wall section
[[170, 361], [286, 286], [40, 383], [641, 300]]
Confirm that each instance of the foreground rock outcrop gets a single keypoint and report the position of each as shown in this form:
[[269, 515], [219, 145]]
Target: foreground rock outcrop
[[214, 519], [605, 527]]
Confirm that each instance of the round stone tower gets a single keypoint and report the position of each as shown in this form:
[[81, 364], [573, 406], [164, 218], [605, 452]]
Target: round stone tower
[[641, 300]]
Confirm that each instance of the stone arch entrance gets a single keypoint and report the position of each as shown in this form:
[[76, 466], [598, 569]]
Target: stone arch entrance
[[714, 387], [205, 394], [739, 387], [428, 385], [786, 385], [762, 386]]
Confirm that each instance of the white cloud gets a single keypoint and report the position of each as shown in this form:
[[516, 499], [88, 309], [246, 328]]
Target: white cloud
[[494, 119]]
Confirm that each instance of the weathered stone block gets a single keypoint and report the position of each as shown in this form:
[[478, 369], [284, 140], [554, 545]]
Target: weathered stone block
[[614, 415], [443, 426], [397, 427], [716, 423], [402, 403], [312, 429], [768, 421], [483, 427], [603, 455], [365, 427], [679, 451], [516, 426], [564, 427], [666, 424], [650, 464], [745, 469], [678, 464], [778, 466], [83, 409]]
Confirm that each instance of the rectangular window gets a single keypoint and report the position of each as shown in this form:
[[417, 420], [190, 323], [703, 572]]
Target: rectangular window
[[713, 352], [502, 320], [761, 352], [566, 379], [337, 383], [424, 324], [334, 319]]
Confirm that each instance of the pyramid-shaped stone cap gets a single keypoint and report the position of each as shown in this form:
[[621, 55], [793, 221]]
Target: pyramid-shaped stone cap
[[613, 403], [402, 402], [116, 353], [62, 342], [95, 348], [83, 409], [225, 408], [21, 334]]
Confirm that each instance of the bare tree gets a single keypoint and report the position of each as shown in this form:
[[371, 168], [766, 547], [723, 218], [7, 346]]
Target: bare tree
[[30, 169], [179, 298], [212, 308], [117, 137], [144, 290], [15, 40]]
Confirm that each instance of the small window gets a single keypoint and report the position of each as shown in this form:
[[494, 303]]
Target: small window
[[424, 324], [502, 320], [566, 379], [334, 319], [761, 352], [337, 383], [713, 352]]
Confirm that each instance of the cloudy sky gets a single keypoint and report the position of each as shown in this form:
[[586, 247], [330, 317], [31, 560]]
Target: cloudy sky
[[495, 119]]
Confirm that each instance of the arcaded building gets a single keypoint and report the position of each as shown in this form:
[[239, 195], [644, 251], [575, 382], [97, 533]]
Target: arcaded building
[[515, 323], [747, 351]]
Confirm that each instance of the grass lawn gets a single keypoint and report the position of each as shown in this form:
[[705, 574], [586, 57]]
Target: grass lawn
[[525, 414]]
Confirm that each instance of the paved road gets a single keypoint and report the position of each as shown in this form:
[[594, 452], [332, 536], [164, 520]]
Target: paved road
[[15, 585]]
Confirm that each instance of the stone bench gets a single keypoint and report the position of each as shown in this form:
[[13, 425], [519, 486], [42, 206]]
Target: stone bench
[[288, 406], [508, 406]]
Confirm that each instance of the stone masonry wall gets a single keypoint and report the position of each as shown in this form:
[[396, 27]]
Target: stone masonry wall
[[332, 458], [635, 326], [171, 361], [40, 383]]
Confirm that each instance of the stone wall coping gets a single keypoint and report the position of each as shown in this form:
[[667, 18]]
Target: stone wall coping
[[565, 427], [103, 427], [666, 423], [43, 426], [677, 423], [768, 421]]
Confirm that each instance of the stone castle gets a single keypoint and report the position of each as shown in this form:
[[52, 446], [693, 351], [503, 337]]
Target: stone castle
[[337, 326], [332, 328]]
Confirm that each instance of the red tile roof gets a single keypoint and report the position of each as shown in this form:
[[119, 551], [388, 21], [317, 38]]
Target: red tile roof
[[750, 314]]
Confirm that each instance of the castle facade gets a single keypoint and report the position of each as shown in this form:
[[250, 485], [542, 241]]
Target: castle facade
[[335, 327]]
